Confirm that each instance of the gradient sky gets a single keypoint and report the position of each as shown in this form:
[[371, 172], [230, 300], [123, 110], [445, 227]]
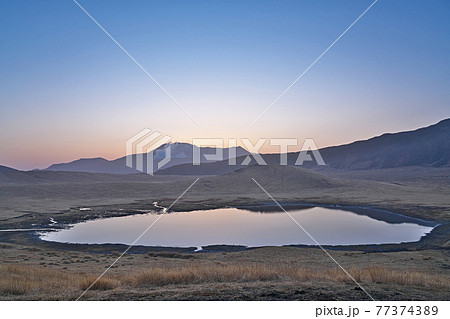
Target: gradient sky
[[67, 91]]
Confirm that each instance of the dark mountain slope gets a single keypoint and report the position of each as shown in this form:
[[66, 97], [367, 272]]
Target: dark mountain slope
[[4, 169], [429, 146], [425, 146]]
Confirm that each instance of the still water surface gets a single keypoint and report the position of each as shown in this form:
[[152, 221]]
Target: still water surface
[[234, 226]]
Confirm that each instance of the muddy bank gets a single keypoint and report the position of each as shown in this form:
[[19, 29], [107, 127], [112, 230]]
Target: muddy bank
[[436, 239]]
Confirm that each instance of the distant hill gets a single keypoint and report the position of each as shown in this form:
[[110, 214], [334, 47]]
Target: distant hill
[[4, 169], [93, 165], [429, 146], [214, 168], [271, 177], [180, 153]]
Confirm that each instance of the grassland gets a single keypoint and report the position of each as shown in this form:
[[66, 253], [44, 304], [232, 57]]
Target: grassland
[[32, 269], [302, 274]]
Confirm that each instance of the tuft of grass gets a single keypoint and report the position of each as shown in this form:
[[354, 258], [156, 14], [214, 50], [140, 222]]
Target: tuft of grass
[[103, 283], [412, 278], [16, 279]]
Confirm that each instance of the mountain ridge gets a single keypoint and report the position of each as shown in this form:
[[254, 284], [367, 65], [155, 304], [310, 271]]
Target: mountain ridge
[[183, 154], [426, 146], [429, 146]]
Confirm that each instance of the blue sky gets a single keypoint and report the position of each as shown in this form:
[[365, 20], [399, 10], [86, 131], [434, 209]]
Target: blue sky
[[67, 91]]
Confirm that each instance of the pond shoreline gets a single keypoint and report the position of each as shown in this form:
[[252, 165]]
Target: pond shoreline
[[432, 240]]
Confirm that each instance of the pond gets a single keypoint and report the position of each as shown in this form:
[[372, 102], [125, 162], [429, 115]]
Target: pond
[[248, 227]]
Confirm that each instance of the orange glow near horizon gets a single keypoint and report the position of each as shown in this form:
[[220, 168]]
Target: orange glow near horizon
[[33, 152], [69, 92]]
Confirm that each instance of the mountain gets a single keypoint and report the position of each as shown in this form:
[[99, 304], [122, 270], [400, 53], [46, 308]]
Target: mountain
[[272, 177], [214, 168], [4, 169], [429, 146], [94, 165], [425, 146], [180, 153]]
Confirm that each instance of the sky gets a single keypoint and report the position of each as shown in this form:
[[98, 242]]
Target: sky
[[67, 91]]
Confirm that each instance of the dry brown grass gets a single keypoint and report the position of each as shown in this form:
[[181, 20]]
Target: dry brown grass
[[104, 283], [22, 279], [379, 274], [18, 279], [201, 274], [245, 273]]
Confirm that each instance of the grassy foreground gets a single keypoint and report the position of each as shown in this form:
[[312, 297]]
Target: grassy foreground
[[24, 279], [246, 275]]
